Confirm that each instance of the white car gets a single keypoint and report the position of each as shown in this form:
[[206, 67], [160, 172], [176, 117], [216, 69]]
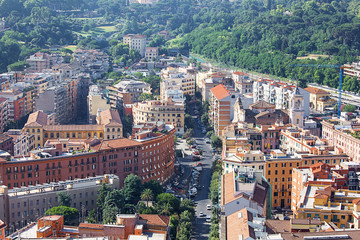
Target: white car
[[201, 214], [208, 207]]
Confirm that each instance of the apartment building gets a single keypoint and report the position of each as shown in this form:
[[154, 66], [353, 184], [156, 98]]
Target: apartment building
[[242, 82], [244, 159], [126, 92], [279, 167], [340, 207], [319, 174], [172, 76], [26, 204], [151, 53], [6, 143], [4, 113], [23, 142], [352, 70], [91, 62], [280, 94], [174, 95], [97, 102], [343, 135], [205, 81], [160, 111], [320, 99], [136, 42], [16, 104], [150, 156], [38, 62], [221, 111]]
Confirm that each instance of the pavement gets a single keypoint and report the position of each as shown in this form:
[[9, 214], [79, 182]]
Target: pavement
[[201, 228]]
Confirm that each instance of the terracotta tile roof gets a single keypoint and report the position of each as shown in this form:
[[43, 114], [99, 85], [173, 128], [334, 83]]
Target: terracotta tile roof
[[262, 105], [88, 127], [154, 219], [277, 226], [116, 143], [110, 116], [220, 92], [38, 117], [91, 226], [241, 74], [315, 90]]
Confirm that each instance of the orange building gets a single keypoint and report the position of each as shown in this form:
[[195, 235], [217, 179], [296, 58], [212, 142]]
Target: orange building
[[221, 109], [279, 168]]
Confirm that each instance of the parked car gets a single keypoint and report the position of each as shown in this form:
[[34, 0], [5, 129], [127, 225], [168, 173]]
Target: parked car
[[208, 207], [201, 214]]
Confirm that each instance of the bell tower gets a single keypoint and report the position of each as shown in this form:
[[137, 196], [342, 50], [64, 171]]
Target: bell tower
[[296, 108]]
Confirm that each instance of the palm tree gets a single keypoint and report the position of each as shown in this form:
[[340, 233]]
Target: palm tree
[[147, 195]]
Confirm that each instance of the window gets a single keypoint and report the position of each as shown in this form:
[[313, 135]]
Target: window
[[308, 215], [276, 172], [269, 172]]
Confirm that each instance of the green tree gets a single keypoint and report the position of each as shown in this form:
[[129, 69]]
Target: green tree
[[215, 141], [18, 66], [109, 213], [91, 218], [132, 188], [154, 186], [64, 199], [188, 121], [71, 215], [349, 108], [146, 96], [103, 191], [187, 205], [147, 195], [169, 202]]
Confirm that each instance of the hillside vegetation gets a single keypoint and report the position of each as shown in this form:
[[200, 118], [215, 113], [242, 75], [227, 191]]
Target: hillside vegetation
[[266, 36]]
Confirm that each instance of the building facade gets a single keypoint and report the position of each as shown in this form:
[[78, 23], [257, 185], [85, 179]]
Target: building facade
[[151, 157], [160, 111], [136, 42], [25, 205]]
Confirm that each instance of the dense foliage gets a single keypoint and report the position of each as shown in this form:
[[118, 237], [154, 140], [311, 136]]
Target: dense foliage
[[261, 36]]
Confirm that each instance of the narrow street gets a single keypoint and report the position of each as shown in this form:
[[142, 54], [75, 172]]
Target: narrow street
[[201, 228]]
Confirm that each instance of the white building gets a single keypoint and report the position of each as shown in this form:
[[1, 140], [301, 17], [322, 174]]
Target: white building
[[280, 94], [136, 42]]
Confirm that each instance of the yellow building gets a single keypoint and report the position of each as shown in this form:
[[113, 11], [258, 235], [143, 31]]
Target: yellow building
[[160, 111], [329, 205], [319, 99], [109, 127]]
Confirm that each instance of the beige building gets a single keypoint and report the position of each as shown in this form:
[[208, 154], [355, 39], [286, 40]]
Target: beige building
[[151, 53], [109, 127], [97, 102], [319, 99], [172, 77], [136, 42], [343, 135], [26, 204], [160, 111]]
